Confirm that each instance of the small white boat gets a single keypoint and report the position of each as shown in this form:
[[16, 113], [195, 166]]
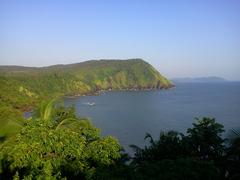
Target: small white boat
[[90, 103]]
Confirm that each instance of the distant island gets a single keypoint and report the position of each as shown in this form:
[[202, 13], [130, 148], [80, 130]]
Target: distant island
[[199, 79]]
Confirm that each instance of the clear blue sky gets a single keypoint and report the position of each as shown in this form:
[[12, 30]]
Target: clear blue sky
[[180, 38]]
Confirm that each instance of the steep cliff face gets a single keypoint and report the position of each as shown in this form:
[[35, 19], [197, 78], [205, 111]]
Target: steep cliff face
[[24, 86]]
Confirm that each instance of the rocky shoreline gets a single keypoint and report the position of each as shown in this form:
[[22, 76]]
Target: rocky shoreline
[[99, 92], [27, 109]]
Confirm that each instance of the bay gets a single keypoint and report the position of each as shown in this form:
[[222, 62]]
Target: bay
[[129, 115]]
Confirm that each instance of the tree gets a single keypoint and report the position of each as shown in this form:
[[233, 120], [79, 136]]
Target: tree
[[56, 144], [169, 158], [169, 146], [233, 156], [205, 139]]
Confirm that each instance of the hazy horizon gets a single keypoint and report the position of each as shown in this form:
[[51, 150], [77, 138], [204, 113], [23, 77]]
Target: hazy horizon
[[179, 38]]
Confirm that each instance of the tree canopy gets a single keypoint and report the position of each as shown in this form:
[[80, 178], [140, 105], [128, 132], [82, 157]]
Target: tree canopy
[[200, 154], [55, 144]]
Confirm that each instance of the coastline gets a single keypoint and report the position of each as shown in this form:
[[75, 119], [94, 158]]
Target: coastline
[[27, 109], [99, 92]]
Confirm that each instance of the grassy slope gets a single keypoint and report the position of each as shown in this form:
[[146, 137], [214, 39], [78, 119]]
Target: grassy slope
[[22, 87]]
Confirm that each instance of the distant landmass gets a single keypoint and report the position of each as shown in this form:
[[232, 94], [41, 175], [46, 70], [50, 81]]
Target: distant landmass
[[200, 79]]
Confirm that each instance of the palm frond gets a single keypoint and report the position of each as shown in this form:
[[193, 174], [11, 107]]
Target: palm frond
[[236, 132], [135, 147], [67, 122], [47, 110], [149, 136]]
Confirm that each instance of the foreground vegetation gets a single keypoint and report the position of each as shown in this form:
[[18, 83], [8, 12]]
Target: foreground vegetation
[[54, 144]]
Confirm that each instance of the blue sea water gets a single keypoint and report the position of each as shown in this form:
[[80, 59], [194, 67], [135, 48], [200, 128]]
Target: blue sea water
[[129, 115]]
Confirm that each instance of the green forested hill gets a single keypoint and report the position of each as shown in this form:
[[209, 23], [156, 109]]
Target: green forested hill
[[22, 87]]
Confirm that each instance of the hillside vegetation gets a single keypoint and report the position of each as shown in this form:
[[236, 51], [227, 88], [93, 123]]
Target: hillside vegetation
[[24, 87]]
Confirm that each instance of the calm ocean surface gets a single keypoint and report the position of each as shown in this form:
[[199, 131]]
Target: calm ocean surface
[[129, 115]]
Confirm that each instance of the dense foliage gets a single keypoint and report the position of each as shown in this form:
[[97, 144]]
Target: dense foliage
[[200, 154], [56, 144]]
